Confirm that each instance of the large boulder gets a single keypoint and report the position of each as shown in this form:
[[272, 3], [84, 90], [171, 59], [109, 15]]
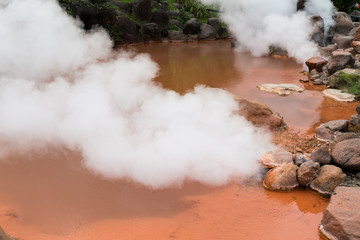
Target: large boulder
[[161, 18], [316, 63], [216, 24], [142, 10], [318, 29], [276, 158], [151, 32], [343, 42], [339, 60], [344, 78], [307, 172], [324, 134], [126, 30], [327, 180], [192, 26], [341, 218], [177, 23], [355, 119], [336, 125], [346, 154], [343, 23], [176, 36], [281, 178], [321, 155], [260, 114], [207, 32]]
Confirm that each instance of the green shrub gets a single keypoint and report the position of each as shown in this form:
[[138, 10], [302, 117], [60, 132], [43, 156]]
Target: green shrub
[[345, 5], [347, 81], [173, 27]]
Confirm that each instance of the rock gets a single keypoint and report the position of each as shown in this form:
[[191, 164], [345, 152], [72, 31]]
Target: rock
[[346, 154], [125, 7], [4, 235], [341, 219], [276, 158], [326, 51], [277, 51], [321, 155], [281, 178], [358, 109], [352, 32], [192, 26], [343, 42], [207, 32], [127, 30], [318, 29], [300, 5], [356, 46], [216, 24], [327, 180], [355, 119], [177, 23], [300, 159], [307, 172], [161, 18], [178, 6], [339, 137], [176, 36], [355, 15], [151, 32], [338, 95], [344, 78], [336, 125], [164, 5], [343, 23], [176, 14], [339, 60], [282, 89], [260, 114], [316, 63], [357, 34], [324, 134], [142, 10]]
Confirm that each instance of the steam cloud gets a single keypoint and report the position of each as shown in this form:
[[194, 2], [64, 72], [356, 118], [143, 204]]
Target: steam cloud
[[60, 85], [259, 24]]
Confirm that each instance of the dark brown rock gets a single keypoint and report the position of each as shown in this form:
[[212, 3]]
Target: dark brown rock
[[321, 155], [142, 10], [260, 114], [151, 32], [307, 172], [346, 154], [276, 158], [316, 63], [327, 180], [192, 26], [281, 178], [341, 218]]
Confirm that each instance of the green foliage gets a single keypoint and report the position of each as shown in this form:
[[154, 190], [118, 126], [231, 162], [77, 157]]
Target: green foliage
[[344, 5], [65, 1], [110, 6], [173, 27], [115, 35], [349, 82]]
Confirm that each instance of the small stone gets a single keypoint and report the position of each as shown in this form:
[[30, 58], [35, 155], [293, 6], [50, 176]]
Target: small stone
[[281, 178], [327, 180], [282, 89], [300, 159], [355, 119], [324, 134], [307, 172], [321, 155], [276, 158]]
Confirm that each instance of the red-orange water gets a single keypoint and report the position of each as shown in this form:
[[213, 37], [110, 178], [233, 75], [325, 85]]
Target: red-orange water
[[48, 194]]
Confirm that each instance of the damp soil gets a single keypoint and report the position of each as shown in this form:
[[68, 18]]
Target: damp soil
[[49, 194]]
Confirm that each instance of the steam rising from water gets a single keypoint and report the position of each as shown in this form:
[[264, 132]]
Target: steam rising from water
[[59, 85], [259, 24]]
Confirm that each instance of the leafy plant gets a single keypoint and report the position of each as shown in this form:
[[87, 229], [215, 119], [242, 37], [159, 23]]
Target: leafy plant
[[345, 5], [349, 82], [173, 27]]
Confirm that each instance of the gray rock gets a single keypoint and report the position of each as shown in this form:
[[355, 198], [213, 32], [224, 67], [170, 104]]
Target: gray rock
[[216, 24], [327, 180], [176, 36], [339, 137], [142, 10], [318, 29], [321, 155], [336, 125], [343, 23], [343, 42], [176, 14], [326, 51], [346, 154], [151, 32], [177, 23], [127, 30], [324, 134], [300, 159], [341, 219], [161, 18], [307, 172], [339, 60], [353, 32], [192, 27], [207, 32], [358, 109], [355, 119]]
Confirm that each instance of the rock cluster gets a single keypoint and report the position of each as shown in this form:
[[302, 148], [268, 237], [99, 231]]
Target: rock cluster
[[144, 20]]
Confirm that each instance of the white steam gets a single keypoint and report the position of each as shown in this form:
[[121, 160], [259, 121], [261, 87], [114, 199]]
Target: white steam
[[60, 85], [259, 24]]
